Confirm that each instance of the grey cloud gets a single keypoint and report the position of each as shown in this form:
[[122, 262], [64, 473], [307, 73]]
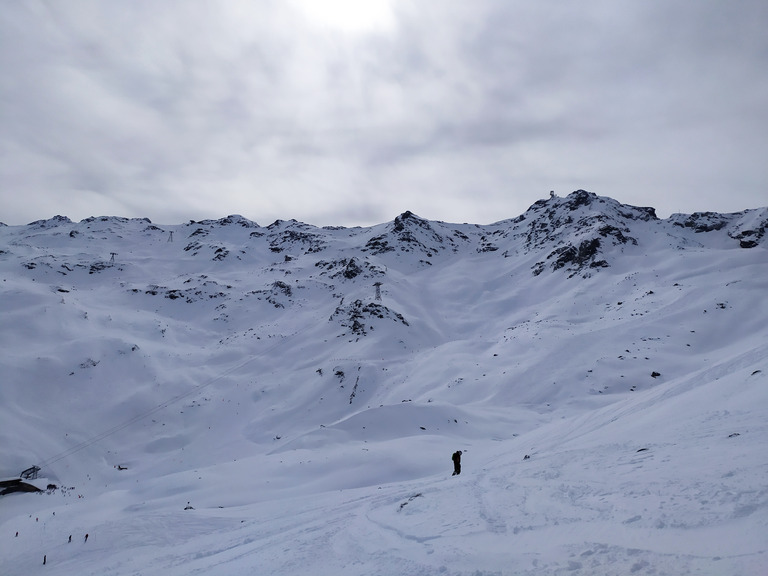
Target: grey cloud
[[248, 107]]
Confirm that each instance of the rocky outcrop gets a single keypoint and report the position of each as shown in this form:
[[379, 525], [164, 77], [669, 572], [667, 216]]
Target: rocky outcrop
[[576, 232], [360, 317]]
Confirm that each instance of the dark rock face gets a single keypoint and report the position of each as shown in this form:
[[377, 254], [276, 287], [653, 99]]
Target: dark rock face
[[51, 222], [704, 221], [300, 240], [580, 198], [236, 220], [611, 231], [408, 233], [747, 227], [359, 317], [581, 228], [401, 221], [349, 268], [378, 245], [579, 257], [750, 237]]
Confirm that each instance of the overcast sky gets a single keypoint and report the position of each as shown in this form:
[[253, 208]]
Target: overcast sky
[[349, 112]]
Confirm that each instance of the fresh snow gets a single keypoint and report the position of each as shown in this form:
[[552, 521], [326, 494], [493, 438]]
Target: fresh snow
[[604, 372]]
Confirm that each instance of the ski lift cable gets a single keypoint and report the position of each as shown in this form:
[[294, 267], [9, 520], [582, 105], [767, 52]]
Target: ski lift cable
[[163, 405]]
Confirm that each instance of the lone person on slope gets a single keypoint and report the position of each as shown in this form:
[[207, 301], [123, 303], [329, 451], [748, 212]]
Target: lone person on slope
[[456, 463]]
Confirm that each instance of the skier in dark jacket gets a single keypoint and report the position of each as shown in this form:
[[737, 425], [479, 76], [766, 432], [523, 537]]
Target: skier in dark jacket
[[456, 462]]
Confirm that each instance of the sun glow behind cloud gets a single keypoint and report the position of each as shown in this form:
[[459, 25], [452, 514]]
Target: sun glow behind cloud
[[347, 112], [353, 16]]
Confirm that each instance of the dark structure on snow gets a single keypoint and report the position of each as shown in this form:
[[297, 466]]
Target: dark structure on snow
[[30, 473]]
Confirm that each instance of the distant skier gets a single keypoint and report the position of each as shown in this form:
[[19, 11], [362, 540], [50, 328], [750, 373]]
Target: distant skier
[[456, 463], [86, 538]]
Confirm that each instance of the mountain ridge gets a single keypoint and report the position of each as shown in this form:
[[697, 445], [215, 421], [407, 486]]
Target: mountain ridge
[[148, 365], [579, 229]]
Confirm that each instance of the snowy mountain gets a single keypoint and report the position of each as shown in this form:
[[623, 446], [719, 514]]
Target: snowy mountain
[[221, 397]]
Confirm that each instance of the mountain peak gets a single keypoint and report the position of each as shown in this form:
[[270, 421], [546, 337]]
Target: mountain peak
[[55, 221], [406, 219], [232, 220], [580, 198], [407, 233], [580, 228]]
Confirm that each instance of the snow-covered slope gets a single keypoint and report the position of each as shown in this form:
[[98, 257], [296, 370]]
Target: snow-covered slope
[[604, 372]]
